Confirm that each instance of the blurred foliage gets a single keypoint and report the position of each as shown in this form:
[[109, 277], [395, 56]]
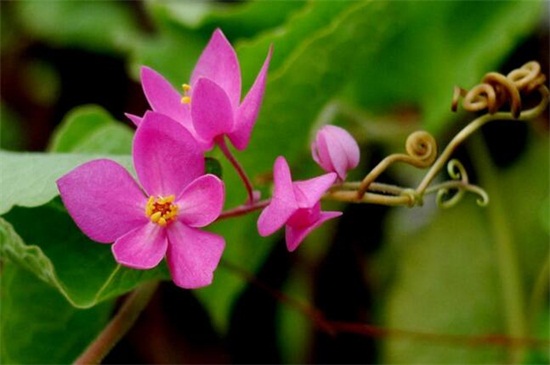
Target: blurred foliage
[[437, 276]]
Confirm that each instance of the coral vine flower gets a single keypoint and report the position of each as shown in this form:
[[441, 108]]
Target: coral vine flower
[[295, 205], [335, 150], [211, 103], [160, 217]]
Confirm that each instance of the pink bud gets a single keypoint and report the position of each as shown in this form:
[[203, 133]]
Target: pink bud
[[335, 150]]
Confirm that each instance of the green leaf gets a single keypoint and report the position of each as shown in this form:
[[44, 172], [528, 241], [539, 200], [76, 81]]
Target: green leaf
[[38, 326], [90, 129], [436, 46], [28, 179], [46, 241], [237, 20], [441, 273], [445, 283], [106, 26], [317, 57], [542, 331], [214, 167]]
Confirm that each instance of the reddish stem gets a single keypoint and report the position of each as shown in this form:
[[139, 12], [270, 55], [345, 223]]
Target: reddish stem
[[335, 327], [242, 174], [244, 209]]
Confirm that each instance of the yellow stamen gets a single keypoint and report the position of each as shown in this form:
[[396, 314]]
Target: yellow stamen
[[161, 210], [186, 99]]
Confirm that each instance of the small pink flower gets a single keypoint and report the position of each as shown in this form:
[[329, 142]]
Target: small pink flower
[[159, 217], [335, 150], [295, 205], [211, 103]]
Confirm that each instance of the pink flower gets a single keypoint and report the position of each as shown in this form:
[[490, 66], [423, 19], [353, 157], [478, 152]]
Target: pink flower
[[335, 150], [159, 217], [210, 107], [295, 205]]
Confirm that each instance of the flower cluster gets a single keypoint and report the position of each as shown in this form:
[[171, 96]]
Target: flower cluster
[[162, 213]]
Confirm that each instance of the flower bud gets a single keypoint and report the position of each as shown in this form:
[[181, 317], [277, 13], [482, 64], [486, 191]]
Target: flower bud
[[335, 150]]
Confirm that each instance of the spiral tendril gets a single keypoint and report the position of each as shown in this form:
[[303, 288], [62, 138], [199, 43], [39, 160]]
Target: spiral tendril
[[491, 95], [497, 90], [421, 149], [449, 193]]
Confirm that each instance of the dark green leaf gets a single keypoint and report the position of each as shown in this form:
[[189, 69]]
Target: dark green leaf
[[214, 167], [46, 241], [38, 326]]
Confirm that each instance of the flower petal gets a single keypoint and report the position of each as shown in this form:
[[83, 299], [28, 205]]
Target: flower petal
[[218, 62], [249, 109], [283, 203], [193, 255], [309, 192], [166, 157], [163, 98], [202, 201], [103, 199], [211, 110], [342, 149], [295, 235], [142, 248], [134, 118]]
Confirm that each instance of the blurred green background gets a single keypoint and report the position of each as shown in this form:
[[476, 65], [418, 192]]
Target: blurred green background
[[381, 69]]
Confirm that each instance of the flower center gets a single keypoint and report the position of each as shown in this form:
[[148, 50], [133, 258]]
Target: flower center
[[161, 210], [186, 99]]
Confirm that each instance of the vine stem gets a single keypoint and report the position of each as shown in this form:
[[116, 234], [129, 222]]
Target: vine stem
[[240, 171], [508, 267], [119, 325], [365, 329], [244, 209]]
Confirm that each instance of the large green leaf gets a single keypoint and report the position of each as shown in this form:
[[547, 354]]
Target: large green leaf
[[90, 129], [38, 326], [442, 273], [445, 282], [28, 179], [319, 56], [438, 45], [46, 241], [106, 26], [236, 19]]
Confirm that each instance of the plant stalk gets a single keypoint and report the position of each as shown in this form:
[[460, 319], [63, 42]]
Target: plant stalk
[[119, 325]]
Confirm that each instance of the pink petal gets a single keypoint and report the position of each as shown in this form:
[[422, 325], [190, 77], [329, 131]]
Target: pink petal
[[309, 192], [335, 150], [163, 98], [218, 62], [134, 118], [319, 152], [166, 157], [249, 109], [201, 202], [103, 199], [142, 248], [342, 149], [211, 110], [283, 203], [295, 235], [193, 255]]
